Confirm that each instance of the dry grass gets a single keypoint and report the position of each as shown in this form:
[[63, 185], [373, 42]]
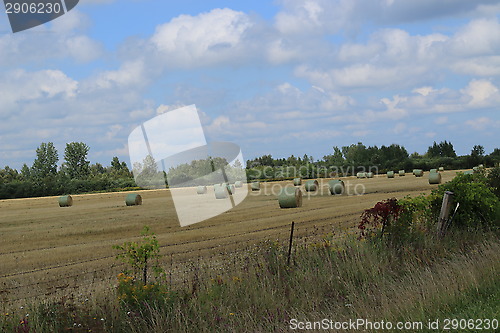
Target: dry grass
[[46, 250]]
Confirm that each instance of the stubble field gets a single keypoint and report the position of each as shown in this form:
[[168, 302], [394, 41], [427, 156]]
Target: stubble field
[[50, 251]]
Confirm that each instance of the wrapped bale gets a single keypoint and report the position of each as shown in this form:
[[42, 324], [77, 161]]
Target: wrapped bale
[[361, 175], [255, 186], [133, 199], [434, 178], [402, 173], [433, 170], [201, 189], [336, 186], [297, 181], [231, 189], [65, 201], [221, 191], [311, 185], [418, 172], [390, 174], [369, 175], [441, 168], [290, 197]]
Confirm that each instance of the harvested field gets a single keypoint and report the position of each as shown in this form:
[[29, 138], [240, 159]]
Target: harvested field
[[46, 250]]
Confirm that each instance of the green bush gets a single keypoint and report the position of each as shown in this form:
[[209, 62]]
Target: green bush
[[479, 206], [494, 180]]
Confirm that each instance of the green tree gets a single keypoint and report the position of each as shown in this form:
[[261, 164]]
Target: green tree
[[45, 164], [77, 165]]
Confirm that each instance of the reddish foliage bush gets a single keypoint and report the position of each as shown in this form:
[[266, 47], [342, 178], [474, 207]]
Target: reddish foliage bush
[[381, 214]]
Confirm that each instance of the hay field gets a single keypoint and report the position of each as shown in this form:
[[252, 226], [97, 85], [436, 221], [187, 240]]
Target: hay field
[[46, 250]]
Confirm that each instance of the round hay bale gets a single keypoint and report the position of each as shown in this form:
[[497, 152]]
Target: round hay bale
[[221, 191], [418, 172], [311, 185], [414, 172], [65, 201], [390, 174], [297, 181], [402, 173], [468, 172], [441, 169], [369, 175], [361, 175], [238, 183], [434, 178], [256, 186], [201, 189], [133, 199], [231, 189], [336, 186], [433, 170], [290, 197]]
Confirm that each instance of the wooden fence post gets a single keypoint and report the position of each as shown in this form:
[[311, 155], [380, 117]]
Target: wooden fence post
[[445, 213], [290, 244]]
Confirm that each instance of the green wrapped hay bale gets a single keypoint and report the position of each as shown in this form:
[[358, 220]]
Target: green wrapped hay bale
[[369, 175], [418, 172], [290, 197], [238, 184], [414, 172], [441, 169], [433, 170], [390, 174], [65, 201], [231, 189], [221, 191], [201, 189], [297, 181], [256, 186], [434, 178], [133, 199], [402, 173], [361, 175], [311, 185], [336, 186]]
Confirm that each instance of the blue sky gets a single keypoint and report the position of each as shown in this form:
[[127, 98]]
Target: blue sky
[[276, 77]]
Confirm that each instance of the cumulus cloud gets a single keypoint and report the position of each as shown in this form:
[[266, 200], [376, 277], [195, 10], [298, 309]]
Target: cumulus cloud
[[207, 38]]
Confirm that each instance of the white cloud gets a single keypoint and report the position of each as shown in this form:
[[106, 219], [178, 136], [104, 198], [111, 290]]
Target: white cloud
[[482, 93], [483, 123], [207, 38]]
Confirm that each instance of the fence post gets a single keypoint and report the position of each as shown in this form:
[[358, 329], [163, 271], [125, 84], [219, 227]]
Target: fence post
[[445, 213], [290, 244]]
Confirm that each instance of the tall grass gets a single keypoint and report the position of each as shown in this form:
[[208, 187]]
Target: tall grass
[[340, 281]]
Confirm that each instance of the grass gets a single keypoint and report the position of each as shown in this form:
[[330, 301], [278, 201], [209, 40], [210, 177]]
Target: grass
[[258, 292]]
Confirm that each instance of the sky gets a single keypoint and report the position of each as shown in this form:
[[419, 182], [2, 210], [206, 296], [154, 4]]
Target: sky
[[275, 77]]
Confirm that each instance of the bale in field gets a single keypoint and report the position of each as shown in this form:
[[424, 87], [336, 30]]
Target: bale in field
[[311, 185], [433, 170], [256, 186], [133, 199], [336, 186], [231, 189], [390, 174], [369, 175], [418, 172], [361, 175], [297, 181], [402, 173], [201, 189], [441, 168], [221, 191], [290, 197], [434, 178], [468, 172], [238, 183], [65, 201]]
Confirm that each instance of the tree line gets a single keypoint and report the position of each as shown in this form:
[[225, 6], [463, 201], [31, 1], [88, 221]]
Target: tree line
[[348, 160], [75, 175]]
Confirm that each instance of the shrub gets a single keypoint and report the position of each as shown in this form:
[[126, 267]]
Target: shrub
[[479, 206], [494, 180]]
